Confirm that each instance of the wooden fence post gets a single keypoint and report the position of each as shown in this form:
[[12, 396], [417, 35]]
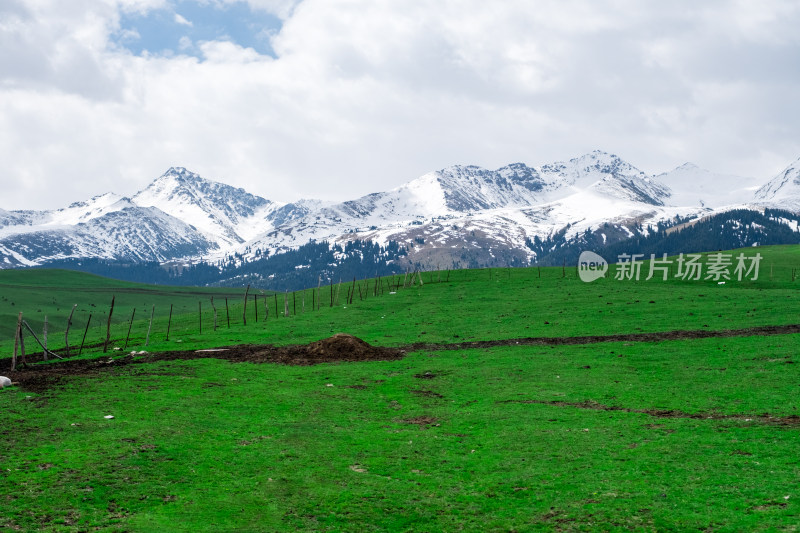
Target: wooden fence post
[[80, 351], [200, 316], [244, 312], [214, 309], [108, 327], [69, 323], [286, 303], [149, 327], [227, 313], [127, 337], [255, 305], [33, 333], [44, 334], [169, 322], [22, 347]]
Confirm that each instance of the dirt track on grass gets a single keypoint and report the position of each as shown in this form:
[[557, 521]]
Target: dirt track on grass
[[765, 418], [339, 348], [623, 337]]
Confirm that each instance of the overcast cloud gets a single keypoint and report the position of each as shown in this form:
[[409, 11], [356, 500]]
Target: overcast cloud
[[357, 96]]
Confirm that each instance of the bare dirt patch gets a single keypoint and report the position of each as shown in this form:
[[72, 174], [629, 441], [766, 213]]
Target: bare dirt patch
[[422, 421]]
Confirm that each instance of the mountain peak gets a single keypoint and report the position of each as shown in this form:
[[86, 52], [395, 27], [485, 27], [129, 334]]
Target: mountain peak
[[180, 174], [219, 211], [783, 188]]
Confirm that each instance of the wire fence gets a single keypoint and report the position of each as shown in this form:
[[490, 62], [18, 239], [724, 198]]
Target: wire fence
[[121, 325]]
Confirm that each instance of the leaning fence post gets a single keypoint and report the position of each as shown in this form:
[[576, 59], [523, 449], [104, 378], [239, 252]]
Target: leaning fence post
[[227, 313], [108, 327], [69, 323], [153, 312], [87, 331], [127, 337], [44, 334], [33, 333]]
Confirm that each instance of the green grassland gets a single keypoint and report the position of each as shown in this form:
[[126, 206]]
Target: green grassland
[[674, 435]]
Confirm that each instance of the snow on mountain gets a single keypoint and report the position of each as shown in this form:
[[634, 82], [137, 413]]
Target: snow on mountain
[[784, 189], [589, 188], [84, 211], [129, 234], [690, 185], [224, 214], [462, 211], [607, 173]]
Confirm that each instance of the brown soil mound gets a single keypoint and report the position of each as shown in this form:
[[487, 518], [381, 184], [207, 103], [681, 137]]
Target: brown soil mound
[[340, 347]]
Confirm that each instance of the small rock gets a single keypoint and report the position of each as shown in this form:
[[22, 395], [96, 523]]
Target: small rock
[[109, 416]]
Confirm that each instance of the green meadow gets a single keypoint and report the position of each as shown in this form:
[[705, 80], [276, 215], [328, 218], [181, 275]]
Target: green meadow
[[672, 435]]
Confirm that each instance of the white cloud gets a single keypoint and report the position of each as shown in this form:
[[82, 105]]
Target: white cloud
[[179, 19], [365, 94]]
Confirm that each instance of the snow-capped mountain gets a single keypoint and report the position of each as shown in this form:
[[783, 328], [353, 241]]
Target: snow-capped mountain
[[691, 185], [485, 211], [460, 214], [220, 212], [130, 234], [784, 189]]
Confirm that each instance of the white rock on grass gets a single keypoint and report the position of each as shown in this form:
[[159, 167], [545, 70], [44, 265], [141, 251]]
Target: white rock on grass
[[4, 382]]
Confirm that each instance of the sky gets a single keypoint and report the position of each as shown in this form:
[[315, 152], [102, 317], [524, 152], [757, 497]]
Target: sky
[[334, 99]]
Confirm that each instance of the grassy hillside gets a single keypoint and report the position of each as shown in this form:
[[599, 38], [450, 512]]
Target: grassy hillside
[[465, 305], [52, 293], [671, 435]]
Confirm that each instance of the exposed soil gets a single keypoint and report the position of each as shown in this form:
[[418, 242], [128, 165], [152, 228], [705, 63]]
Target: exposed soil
[[624, 337], [341, 348], [765, 418]]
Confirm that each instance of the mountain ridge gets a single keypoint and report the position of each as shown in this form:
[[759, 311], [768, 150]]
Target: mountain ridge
[[461, 213]]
